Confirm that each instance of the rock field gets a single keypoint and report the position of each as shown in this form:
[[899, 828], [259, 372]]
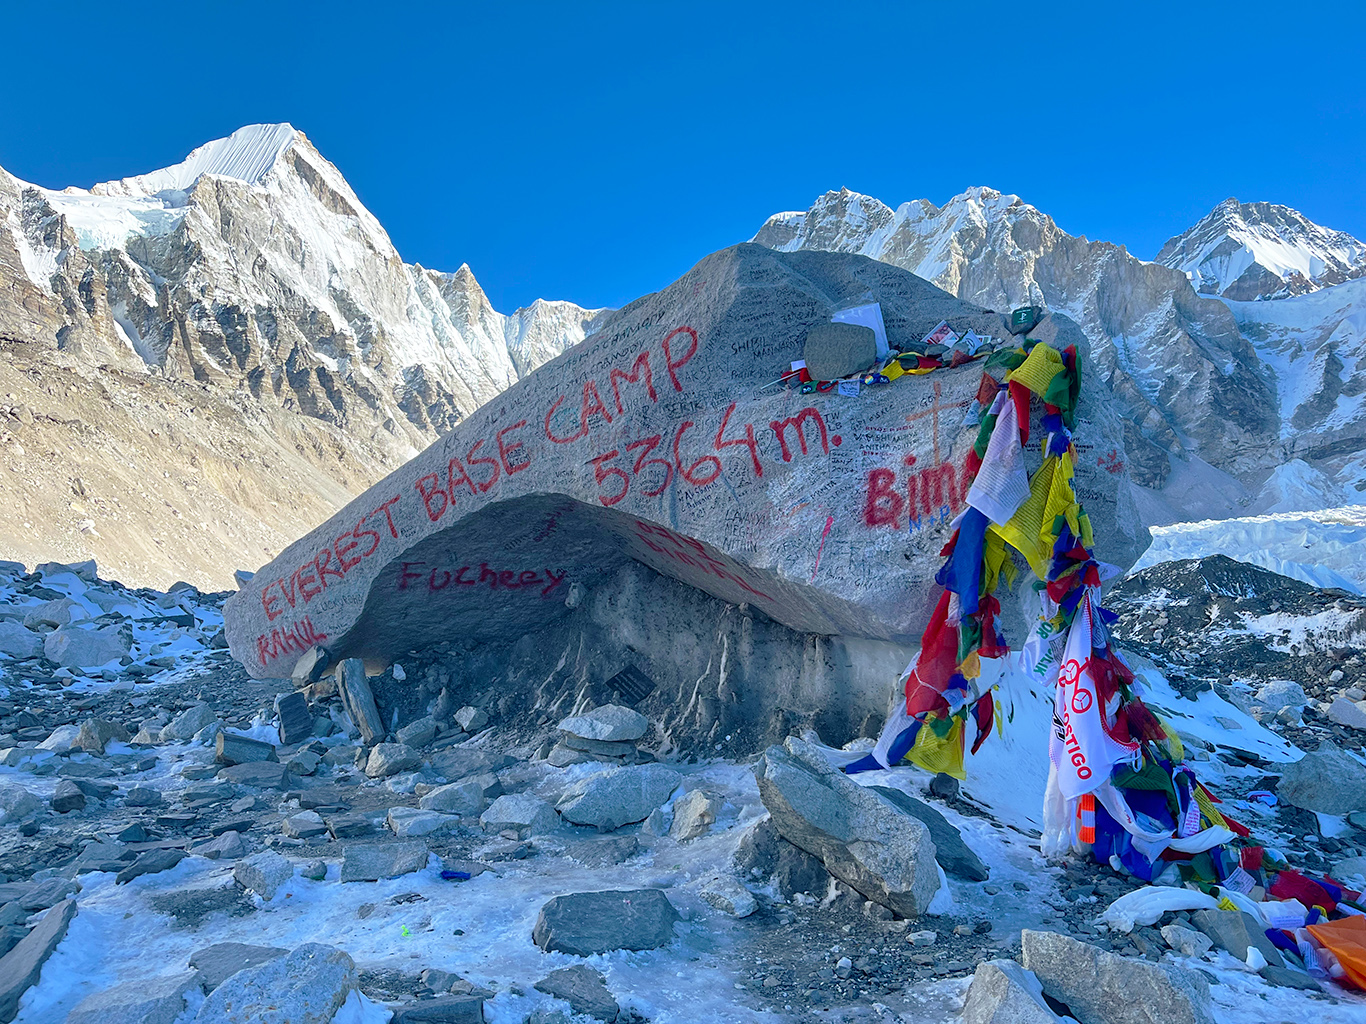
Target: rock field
[[182, 843]]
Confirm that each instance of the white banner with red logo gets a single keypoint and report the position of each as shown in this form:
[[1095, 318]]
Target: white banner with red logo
[[1079, 746]]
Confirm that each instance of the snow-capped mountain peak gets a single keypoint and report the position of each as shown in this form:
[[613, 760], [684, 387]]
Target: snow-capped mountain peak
[[246, 155], [1244, 251]]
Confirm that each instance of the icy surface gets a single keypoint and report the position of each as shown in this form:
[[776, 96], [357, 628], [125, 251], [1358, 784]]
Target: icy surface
[[1326, 548]]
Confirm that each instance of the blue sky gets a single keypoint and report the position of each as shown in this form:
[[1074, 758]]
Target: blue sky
[[594, 152]]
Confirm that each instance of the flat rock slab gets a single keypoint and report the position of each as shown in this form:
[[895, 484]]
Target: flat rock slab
[[144, 1001], [230, 748], [656, 440], [585, 923], [372, 861], [259, 775], [884, 853], [20, 967], [219, 962], [584, 989], [1101, 986], [443, 1010], [306, 986]]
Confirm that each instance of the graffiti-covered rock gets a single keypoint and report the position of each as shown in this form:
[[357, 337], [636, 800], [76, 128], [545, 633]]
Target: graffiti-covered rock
[[663, 440]]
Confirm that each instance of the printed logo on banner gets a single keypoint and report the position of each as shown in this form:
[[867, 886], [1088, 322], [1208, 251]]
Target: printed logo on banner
[[1081, 701]]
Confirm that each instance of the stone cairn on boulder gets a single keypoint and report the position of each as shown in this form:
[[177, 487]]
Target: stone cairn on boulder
[[607, 733]]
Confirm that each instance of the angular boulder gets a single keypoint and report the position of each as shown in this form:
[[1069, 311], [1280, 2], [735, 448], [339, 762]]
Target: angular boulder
[[1101, 986], [144, 1001], [74, 647], [20, 967], [584, 923], [861, 839], [609, 723], [18, 641], [371, 862], [659, 441], [1003, 992], [584, 989], [619, 796], [217, 963], [522, 811], [1324, 780], [950, 851], [307, 986]]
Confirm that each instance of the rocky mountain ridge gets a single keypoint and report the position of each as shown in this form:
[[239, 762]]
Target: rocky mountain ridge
[[1219, 395], [252, 272]]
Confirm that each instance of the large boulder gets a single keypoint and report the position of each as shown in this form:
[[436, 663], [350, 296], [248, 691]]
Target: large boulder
[[618, 796], [306, 987], [859, 836], [144, 1001], [1325, 780], [1100, 986], [18, 641], [1003, 992], [20, 967], [74, 647], [657, 442]]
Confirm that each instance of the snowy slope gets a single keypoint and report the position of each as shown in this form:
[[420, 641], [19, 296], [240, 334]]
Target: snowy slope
[[1246, 251]]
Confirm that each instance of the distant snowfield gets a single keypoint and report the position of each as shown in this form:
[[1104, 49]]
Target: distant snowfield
[[1325, 548]]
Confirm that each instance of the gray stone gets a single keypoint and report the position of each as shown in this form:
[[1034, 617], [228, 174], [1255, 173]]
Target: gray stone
[[306, 986], [415, 821], [48, 893], [950, 851], [359, 700], [418, 733], [604, 748], [304, 825], [462, 1009], [233, 749], [18, 641], [259, 775], [20, 967], [694, 813], [263, 873], [619, 796], [1003, 992], [521, 811], [144, 1001], [728, 896], [85, 570], [311, 664], [217, 963], [67, 797], [296, 723], [1348, 713], [371, 862], [98, 733], [153, 862], [605, 850], [595, 922], [388, 759], [1186, 941], [61, 611], [17, 802], [303, 762], [609, 723], [861, 839], [1325, 780], [1287, 977], [471, 719], [1349, 867], [143, 796], [1101, 986], [74, 647], [187, 723], [228, 846], [1235, 931], [61, 739], [835, 350], [1281, 693], [584, 989], [466, 798]]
